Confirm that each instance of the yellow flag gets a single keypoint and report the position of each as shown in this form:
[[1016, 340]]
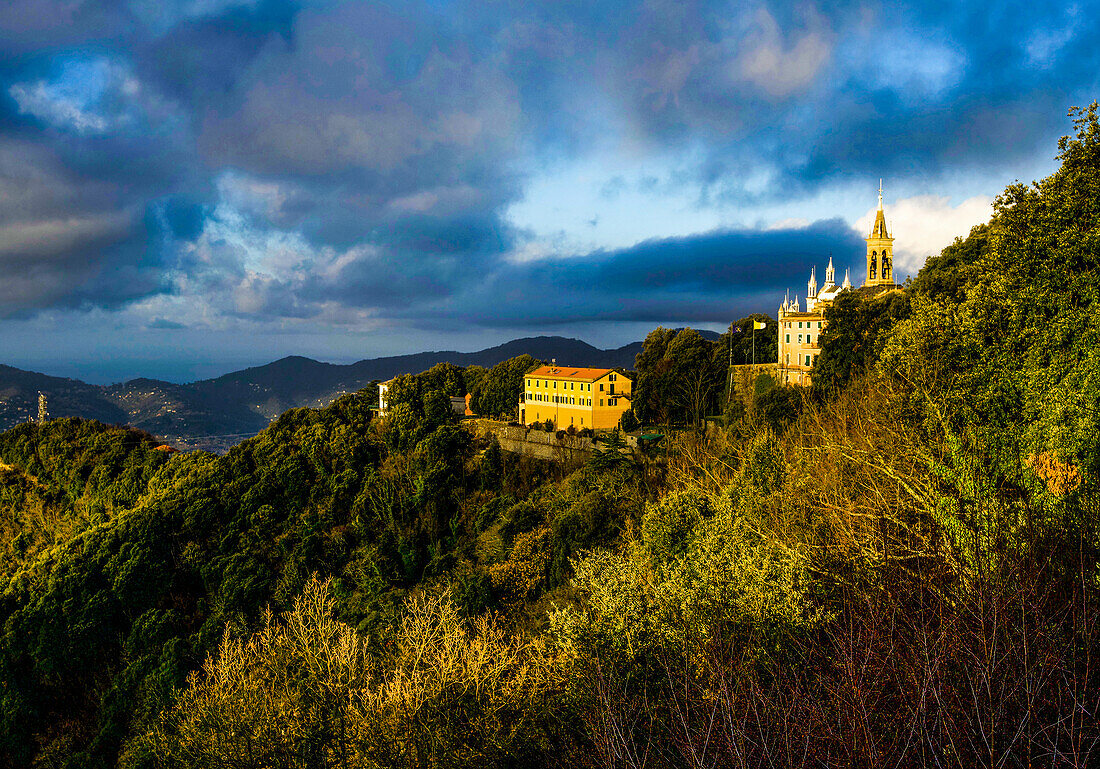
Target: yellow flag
[[758, 324]]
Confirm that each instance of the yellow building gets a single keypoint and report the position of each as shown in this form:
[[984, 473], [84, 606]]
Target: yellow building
[[583, 397], [800, 330]]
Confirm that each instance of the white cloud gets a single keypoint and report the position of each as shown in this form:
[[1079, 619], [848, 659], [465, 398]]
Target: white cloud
[[790, 223], [88, 96], [914, 67], [783, 66], [924, 224], [1044, 44], [44, 102], [440, 200], [254, 196]]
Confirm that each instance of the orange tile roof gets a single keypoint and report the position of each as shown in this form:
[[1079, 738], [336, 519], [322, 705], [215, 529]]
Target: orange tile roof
[[571, 372]]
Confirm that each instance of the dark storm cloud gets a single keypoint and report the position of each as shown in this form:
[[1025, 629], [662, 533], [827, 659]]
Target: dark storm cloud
[[701, 278], [66, 239], [390, 139]]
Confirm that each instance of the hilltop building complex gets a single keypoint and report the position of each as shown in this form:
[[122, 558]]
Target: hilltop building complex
[[800, 330], [583, 397]]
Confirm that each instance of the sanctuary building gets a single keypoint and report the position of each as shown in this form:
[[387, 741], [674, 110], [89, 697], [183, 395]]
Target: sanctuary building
[[567, 395], [800, 330]]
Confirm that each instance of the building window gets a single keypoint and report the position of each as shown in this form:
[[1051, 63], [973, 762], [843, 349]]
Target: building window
[[612, 377], [819, 324], [807, 360], [800, 338], [601, 390], [800, 324], [601, 401], [788, 338], [555, 384], [788, 359], [528, 382]]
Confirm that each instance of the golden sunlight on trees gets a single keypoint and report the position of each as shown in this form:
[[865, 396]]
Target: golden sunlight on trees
[[900, 569], [305, 691]]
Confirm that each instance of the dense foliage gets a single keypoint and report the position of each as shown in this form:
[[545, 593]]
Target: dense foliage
[[853, 337], [903, 570], [497, 391], [947, 274], [682, 377]]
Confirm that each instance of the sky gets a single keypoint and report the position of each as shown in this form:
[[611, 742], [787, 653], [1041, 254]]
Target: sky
[[191, 187]]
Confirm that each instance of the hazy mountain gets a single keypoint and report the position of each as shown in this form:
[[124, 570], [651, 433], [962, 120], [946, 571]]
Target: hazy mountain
[[217, 413], [67, 398]]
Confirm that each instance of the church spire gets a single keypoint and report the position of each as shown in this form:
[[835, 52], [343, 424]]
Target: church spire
[[880, 250]]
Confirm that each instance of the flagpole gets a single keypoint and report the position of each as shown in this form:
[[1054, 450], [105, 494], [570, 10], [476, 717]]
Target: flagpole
[[729, 374]]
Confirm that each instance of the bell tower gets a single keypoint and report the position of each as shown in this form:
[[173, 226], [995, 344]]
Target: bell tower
[[880, 250]]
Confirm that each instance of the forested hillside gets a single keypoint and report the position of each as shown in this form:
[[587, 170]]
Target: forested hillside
[[896, 567], [215, 414]]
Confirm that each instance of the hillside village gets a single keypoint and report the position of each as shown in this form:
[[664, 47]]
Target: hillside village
[[896, 563], [821, 490], [561, 397], [795, 337]]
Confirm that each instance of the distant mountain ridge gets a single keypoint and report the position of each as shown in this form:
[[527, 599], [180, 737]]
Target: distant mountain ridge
[[217, 413]]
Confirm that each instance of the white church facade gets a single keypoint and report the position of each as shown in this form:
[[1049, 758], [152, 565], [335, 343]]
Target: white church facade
[[800, 329]]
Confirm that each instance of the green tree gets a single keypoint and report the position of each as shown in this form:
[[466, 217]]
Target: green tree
[[651, 393], [438, 410], [696, 369], [947, 274], [853, 337], [629, 422], [1008, 377], [497, 394], [779, 406], [447, 377], [680, 377], [739, 345]]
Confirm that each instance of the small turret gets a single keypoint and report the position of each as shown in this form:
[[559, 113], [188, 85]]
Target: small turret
[[830, 273], [811, 286], [847, 280]]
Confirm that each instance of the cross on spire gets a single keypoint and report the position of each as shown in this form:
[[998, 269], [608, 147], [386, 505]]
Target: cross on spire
[[880, 194]]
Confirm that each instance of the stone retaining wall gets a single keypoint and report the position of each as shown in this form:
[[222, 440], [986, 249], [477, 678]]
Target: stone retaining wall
[[535, 443]]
